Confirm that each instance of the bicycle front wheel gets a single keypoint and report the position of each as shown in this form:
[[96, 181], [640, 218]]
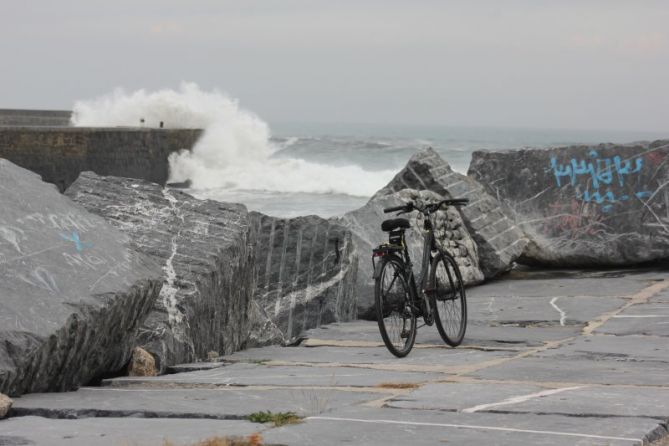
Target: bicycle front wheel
[[447, 294], [395, 314]]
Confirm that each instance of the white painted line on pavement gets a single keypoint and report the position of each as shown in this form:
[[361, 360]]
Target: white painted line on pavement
[[471, 426], [625, 316], [520, 399], [563, 315]]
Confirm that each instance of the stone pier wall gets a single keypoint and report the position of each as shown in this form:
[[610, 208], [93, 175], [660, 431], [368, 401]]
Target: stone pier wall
[[50, 118], [59, 154]]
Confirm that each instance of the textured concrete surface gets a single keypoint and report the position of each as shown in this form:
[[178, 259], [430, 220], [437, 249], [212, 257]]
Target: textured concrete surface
[[558, 375]]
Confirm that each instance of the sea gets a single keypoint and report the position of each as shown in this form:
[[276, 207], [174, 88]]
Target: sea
[[380, 151], [299, 168]]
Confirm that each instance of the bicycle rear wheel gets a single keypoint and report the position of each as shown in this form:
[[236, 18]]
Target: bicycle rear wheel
[[395, 315], [447, 294]]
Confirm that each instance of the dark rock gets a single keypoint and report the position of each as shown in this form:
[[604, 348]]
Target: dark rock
[[73, 294], [306, 272], [205, 248], [584, 205], [498, 239], [180, 185], [365, 224]]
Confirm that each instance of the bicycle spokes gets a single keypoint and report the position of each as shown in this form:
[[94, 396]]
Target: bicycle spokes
[[449, 299], [396, 318]]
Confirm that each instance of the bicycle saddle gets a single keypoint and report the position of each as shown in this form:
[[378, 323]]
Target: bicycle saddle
[[395, 223]]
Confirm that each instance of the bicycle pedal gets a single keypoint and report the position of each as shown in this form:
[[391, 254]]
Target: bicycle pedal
[[404, 334]]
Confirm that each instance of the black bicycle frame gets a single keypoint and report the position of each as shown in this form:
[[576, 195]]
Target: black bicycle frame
[[429, 245]]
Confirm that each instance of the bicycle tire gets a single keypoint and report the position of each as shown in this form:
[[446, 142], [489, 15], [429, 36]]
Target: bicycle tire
[[393, 309], [448, 299]]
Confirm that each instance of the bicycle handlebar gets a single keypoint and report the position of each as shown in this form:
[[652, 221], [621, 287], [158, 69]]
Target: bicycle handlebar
[[430, 207], [404, 208]]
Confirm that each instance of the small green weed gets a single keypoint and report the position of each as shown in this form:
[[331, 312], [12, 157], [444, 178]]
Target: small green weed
[[278, 419]]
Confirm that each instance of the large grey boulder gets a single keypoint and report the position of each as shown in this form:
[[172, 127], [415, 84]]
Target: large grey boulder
[[500, 242], [73, 293], [306, 273], [450, 233], [205, 249], [584, 205]]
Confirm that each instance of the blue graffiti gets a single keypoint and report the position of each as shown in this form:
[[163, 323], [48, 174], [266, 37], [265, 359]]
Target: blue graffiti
[[598, 172], [77, 241]]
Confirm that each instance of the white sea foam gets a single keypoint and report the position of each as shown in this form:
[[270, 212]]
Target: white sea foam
[[234, 151]]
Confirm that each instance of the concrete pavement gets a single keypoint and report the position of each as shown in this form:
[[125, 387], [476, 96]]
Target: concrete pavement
[[549, 358]]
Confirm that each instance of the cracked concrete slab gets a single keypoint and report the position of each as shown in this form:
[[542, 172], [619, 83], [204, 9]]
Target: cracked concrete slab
[[585, 371], [40, 431], [551, 310], [617, 284], [422, 427], [612, 348], [481, 333], [447, 360], [241, 374], [219, 403], [579, 400], [649, 319]]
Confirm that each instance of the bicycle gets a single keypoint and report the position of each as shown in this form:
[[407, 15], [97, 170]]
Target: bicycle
[[398, 301]]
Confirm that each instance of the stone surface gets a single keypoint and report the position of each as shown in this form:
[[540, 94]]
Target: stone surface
[[223, 403], [141, 363], [38, 431], [206, 251], [233, 279], [305, 275], [556, 385], [73, 292], [59, 154], [255, 372], [5, 404], [499, 240], [584, 205], [450, 233]]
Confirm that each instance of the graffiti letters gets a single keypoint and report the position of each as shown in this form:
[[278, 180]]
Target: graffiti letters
[[596, 179]]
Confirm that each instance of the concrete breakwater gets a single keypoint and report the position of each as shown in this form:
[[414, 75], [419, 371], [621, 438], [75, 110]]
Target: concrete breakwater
[[251, 279], [60, 154], [50, 118]]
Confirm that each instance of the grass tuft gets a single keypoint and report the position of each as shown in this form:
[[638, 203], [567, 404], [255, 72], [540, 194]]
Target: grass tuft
[[278, 419]]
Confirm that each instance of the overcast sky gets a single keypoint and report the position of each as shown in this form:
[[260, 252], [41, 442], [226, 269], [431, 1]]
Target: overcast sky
[[525, 63]]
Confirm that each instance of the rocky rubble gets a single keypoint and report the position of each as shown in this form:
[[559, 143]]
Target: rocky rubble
[[500, 242], [73, 292], [583, 205], [450, 232], [206, 252], [232, 278]]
